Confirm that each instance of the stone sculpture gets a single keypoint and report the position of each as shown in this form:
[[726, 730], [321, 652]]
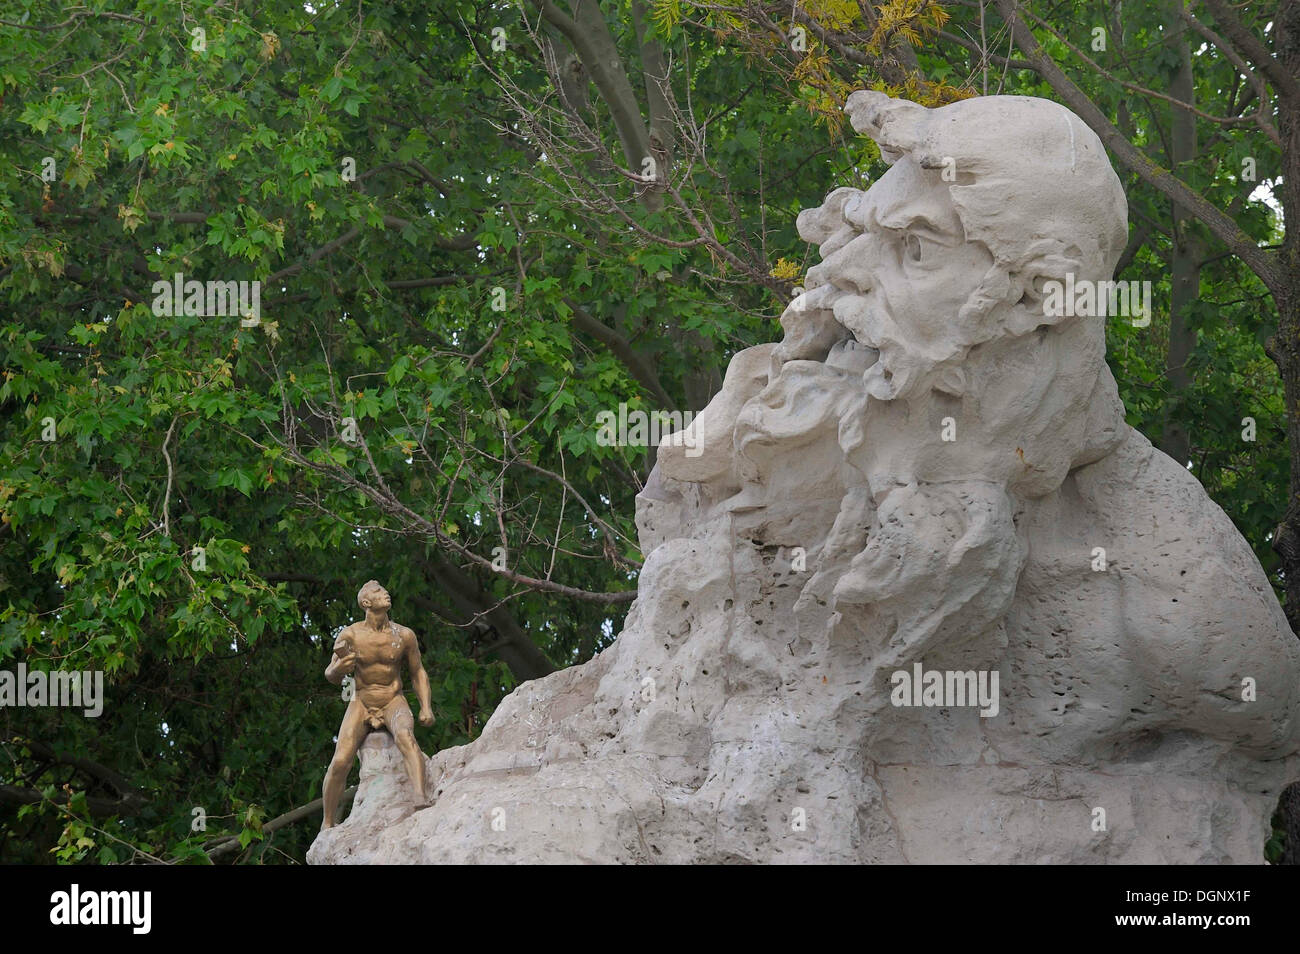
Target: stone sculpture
[[924, 596], [373, 650]]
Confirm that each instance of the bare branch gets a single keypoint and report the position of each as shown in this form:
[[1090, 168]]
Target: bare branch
[[1251, 47]]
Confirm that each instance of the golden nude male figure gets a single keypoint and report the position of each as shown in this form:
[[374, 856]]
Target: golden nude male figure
[[374, 649]]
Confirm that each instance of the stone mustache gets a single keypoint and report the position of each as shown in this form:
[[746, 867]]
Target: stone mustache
[[929, 477]]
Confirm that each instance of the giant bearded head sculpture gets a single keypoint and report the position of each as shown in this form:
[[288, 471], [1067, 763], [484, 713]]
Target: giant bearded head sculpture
[[922, 393], [922, 333]]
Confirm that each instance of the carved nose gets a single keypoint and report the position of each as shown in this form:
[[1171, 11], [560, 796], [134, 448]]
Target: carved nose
[[849, 270], [829, 282]]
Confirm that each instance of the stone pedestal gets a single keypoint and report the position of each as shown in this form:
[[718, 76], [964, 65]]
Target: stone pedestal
[[385, 800]]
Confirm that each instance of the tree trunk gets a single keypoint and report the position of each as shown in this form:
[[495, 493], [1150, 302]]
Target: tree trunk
[[514, 647], [1284, 346], [1284, 349], [1185, 267]]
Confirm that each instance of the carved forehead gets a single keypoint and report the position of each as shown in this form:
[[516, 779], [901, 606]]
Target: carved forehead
[[1027, 171]]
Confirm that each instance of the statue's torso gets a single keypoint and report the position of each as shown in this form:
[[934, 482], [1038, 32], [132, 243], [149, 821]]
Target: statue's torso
[[379, 661]]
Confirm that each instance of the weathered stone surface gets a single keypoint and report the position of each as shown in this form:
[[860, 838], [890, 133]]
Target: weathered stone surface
[[831, 535], [384, 801]]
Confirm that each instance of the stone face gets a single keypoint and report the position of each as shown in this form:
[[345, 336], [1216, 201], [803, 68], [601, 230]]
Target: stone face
[[928, 474]]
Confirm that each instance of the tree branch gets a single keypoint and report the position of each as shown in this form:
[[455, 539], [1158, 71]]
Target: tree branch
[[231, 842], [992, 57], [590, 38], [1162, 180], [639, 367], [189, 218], [94, 769], [518, 651], [1251, 47], [1182, 104], [99, 807]]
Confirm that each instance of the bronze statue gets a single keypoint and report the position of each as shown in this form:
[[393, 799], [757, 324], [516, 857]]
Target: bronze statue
[[373, 649]]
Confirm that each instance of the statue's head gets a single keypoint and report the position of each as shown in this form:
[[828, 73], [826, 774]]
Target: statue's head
[[985, 200], [373, 596], [928, 309]]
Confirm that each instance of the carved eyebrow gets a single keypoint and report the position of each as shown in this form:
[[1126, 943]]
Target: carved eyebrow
[[939, 234], [900, 219], [897, 217]]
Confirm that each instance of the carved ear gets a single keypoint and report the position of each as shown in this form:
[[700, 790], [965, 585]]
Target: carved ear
[[1044, 264], [1009, 299]]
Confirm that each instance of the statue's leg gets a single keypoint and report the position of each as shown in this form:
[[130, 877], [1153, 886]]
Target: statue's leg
[[402, 724], [351, 734]]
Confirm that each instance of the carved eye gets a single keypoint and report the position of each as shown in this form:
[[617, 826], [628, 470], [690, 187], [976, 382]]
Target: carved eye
[[912, 245]]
